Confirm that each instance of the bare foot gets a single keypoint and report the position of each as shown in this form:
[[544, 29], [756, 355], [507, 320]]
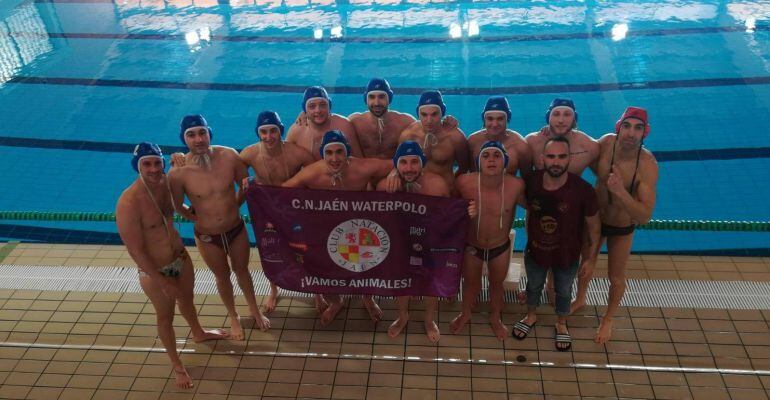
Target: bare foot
[[604, 332], [432, 332], [182, 379], [269, 305], [320, 303], [236, 330], [261, 322], [397, 326], [330, 313], [375, 313], [498, 327], [213, 334], [577, 305], [458, 323]]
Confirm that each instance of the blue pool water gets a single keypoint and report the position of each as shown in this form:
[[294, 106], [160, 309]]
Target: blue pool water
[[84, 80]]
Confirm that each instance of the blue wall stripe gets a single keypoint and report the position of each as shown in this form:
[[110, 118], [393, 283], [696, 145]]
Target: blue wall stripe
[[736, 153], [510, 90]]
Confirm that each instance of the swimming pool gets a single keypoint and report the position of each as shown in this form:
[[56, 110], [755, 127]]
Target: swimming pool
[[85, 80]]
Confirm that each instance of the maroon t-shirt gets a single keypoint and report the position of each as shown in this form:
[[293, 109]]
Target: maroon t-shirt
[[556, 219]]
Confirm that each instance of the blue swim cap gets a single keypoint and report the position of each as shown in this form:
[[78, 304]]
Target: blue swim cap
[[409, 148], [497, 103], [334, 137], [269, 118], [493, 144], [144, 150], [379, 85], [561, 103], [191, 121], [315, 92], [431, 97]]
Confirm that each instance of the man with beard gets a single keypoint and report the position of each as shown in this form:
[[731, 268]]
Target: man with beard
[[339, 171], [561, 119], [378, 129], [495, 118], [496, 194], [408, 162], [316, 107], [562, 213], [621, 206], [274, 162], [443, 146], [145, 219], [208, 179]]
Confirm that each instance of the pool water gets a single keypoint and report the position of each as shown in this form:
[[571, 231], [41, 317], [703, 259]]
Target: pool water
[[83, 81]]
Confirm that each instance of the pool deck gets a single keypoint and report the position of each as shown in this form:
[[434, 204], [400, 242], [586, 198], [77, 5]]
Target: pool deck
[[101, 345]]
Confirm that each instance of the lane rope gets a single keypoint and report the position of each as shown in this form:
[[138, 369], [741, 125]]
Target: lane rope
[[657, 225]]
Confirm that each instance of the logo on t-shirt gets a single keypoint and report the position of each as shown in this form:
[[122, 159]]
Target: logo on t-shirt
[[548, 224]]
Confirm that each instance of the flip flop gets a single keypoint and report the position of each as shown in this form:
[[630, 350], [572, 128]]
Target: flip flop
[[523, 327], [563, 338]]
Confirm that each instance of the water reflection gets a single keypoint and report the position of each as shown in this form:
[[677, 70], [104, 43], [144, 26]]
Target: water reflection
[[23, 38], [301, 15]]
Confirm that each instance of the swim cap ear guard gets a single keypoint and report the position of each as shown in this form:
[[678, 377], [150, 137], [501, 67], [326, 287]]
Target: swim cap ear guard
[[379, 85], [269, 118], [431, 97], [191, 121], [634, 112], [497, 103], [409, 148], [562, 103], [315, 92], [144, 150], [334, 137], [493, 144]]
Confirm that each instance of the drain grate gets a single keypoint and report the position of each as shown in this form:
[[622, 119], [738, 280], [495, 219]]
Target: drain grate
[[639, 293]]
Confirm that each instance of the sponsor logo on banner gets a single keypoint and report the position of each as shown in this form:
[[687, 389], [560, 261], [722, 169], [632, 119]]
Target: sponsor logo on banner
[[269, 241], [358, 245], [415, 261], [298, 246], [444, 250], [416, 231], [417, 247], [451, 264]]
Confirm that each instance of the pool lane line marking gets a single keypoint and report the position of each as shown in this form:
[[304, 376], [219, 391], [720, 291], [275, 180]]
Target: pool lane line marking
[[7, 249], [545, 364], [509, 90]]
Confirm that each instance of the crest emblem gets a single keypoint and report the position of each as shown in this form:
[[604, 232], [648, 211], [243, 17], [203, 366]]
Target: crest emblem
[[358, 245]]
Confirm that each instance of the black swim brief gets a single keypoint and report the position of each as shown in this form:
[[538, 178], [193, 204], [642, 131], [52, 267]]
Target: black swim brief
[[221, 240], [487, 254], [610, 230]]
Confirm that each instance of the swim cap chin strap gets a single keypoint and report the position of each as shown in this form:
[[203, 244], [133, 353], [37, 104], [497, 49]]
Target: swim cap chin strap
[[502, 202]]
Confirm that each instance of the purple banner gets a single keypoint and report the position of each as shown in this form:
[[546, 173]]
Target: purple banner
[[328, 241]]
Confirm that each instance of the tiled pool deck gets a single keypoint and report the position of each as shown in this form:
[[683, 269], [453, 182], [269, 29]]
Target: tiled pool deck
[[80, 345]]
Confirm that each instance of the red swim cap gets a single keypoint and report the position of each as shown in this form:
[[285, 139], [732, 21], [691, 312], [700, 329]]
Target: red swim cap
[[634, 112]]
